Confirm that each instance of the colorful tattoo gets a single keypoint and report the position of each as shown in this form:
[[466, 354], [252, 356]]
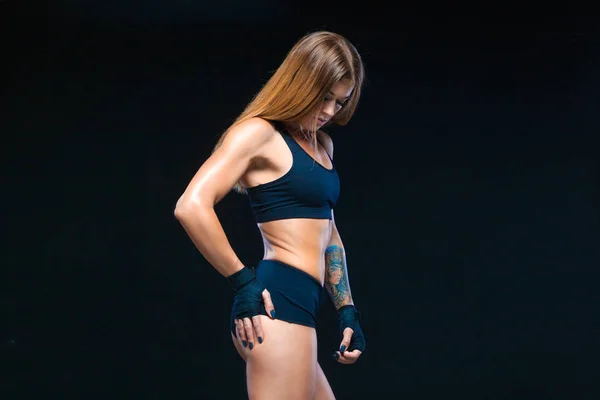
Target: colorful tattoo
[[336, 276]]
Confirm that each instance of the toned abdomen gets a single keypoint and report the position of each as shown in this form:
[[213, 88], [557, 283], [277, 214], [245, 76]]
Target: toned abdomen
[[298, 242]]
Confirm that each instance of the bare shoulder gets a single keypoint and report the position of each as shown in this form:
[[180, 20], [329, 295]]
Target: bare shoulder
[[251, 134], [326, 141]]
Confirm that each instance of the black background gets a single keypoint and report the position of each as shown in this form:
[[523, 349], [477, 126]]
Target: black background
[[469, 207]]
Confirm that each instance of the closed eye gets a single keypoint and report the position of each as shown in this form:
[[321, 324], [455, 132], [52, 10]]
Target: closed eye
[[337, 102]]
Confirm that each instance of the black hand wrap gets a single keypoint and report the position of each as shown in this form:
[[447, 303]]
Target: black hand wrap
[[349, 317], [248, 300]]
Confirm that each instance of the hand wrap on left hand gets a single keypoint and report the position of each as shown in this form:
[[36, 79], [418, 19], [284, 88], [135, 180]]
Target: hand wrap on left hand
[[349, 317]]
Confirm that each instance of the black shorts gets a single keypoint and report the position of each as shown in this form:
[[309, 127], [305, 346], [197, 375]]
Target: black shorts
[[296, 295]]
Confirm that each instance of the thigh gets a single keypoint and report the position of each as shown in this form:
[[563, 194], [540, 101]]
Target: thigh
[[323, 389], [285, 365]]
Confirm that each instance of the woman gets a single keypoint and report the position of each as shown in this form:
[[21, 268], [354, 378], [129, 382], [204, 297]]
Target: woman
[[276, 154]]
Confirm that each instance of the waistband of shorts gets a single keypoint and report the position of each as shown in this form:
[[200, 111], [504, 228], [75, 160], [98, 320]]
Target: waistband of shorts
[[292, 269]]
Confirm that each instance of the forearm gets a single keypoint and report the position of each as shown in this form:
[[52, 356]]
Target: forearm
[[206, 232], [336, 275]]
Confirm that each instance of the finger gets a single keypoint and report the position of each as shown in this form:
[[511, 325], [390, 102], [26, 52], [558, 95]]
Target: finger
[[346, 339], [241, 333], [249, 332], [348, 357], [258, 328], [340, 358], [269, 307], [351, 356]]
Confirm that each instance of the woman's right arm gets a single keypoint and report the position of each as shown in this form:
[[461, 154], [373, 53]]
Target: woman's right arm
[[215, 178]]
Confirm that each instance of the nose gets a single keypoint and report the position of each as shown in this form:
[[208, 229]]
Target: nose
[[328, 108]]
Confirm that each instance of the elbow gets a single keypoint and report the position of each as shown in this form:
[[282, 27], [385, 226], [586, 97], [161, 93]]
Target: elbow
[[186, 208], [182, 210], [179, 212]]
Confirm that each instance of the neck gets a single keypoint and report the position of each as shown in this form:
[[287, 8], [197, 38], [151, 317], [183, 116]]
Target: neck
[[296, 130]]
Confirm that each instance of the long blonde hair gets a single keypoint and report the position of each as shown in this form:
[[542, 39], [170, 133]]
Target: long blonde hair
[[298, 87]]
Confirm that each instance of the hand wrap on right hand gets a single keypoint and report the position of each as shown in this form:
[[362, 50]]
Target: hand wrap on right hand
[[248, 300]]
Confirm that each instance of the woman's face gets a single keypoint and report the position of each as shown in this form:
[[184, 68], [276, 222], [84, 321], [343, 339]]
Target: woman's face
[[334, 276], [332, 103]]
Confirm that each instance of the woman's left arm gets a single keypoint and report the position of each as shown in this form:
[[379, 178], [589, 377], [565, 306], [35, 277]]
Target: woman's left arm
[[338, 286], [336, 273], [336, 270]]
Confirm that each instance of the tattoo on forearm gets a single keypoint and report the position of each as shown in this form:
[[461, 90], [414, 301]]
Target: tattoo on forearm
[[336, 276]]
